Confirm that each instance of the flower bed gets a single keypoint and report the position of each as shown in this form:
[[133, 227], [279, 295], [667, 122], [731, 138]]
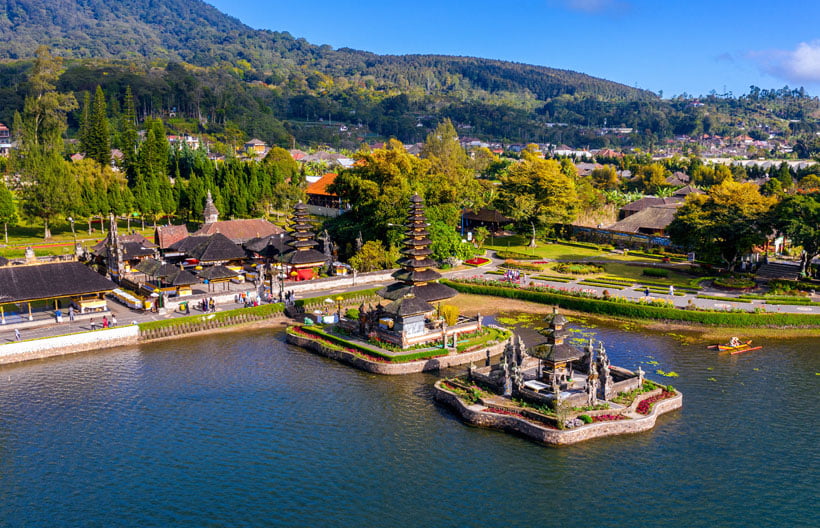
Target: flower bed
[[608, 418], [298, 330], [498, 410], [646, 405], [477, 261]]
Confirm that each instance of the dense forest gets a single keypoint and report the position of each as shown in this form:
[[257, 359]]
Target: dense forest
[[202, 71]]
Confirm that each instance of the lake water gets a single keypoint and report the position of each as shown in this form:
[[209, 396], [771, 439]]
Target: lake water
[[244, 430]]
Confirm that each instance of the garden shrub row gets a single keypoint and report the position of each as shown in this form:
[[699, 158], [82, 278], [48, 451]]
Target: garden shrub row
[[656, 272], [524, 266], [725, 299], [555, 278], [634, 310], [515, 255], [591, 282], [262, 311], [310, 301]]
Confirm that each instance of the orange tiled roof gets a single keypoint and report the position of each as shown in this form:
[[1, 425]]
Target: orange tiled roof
[[319, 187], [240, 230]]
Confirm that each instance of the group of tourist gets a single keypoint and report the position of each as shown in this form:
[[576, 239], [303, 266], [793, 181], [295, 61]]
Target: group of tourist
[[207, 305], [246, 300]]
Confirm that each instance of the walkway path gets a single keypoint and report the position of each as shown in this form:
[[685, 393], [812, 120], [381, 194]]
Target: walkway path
[[127, 316]]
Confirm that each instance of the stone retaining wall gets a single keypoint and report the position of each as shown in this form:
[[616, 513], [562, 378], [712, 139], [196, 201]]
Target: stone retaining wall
[[476, 415], [69, 344], [392, 369]]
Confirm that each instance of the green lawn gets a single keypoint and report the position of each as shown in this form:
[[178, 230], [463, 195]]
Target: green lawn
[[61, 241], [554, 250]]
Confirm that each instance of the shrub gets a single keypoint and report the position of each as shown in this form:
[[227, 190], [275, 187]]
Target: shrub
[[734, 283], [587, 419], [507, 254], [526, 266], [577, 268], [450, 314], [352, 313], [655, 272]]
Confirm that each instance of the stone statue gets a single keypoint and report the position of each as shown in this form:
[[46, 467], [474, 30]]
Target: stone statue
[[359, 242], [640, 373]]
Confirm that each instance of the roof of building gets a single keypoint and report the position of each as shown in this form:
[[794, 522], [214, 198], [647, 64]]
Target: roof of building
[[685, 191], [165, 236], [269, 246], [180, 277], [677, 179], [319, 187], [156, 268], [649, 201], [125, 239], [187, 244], [556, 353], [217, 273], [308, 256], [216, 247], [653, 218], [430, 292], [48, 281], [409, 305], [486, 215], [241, 230]]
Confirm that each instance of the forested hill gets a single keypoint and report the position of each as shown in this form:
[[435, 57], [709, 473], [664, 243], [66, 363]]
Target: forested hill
[[197, 33]]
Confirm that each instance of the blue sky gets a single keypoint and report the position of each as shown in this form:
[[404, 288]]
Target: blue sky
[[675, 46]]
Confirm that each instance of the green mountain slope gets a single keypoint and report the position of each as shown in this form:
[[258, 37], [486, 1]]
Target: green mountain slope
[[197, 33]]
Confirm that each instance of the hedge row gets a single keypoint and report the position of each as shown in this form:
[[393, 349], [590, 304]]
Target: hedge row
[[638, 311], [515, 255], [264, 310], [311, 301]]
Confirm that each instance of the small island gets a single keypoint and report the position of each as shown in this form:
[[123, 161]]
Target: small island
[[556, 393], [409, 334]]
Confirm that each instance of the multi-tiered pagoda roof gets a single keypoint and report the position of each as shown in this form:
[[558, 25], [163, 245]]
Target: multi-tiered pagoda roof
[[303, 254], [417, 277]]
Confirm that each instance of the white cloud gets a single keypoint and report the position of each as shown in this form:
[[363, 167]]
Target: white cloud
[[799, 65]]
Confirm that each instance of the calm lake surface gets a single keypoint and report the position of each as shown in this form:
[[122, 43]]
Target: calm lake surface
[[245, 430]]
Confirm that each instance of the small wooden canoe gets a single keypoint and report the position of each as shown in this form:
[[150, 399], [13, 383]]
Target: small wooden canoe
[[730, 348], [747, 349]]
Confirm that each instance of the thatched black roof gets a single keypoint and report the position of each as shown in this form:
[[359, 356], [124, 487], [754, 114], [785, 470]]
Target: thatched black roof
[[490, 216], [270, 246], [48, 281], [217, 273], [309, 256], [155, 268], [430, 292], [187, 244], [180, 278], [409, 306], [216, 247]]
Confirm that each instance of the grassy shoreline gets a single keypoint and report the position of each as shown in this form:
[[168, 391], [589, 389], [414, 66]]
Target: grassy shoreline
[[471, 304]]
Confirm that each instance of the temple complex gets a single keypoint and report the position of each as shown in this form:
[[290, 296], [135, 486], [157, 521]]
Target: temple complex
[[559, 393], [303, 260]]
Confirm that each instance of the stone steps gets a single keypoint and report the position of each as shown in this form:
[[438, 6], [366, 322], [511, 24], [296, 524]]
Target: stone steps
[[778, 270]]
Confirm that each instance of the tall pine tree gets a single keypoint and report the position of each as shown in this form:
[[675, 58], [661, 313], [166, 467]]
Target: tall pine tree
[[98, 142]]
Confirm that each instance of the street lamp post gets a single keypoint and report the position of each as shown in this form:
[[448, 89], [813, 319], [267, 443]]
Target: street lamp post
[[339, 300], [73, 234]]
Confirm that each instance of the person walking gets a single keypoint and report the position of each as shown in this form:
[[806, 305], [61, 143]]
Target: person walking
[[671, 289], [646, 293], [105, 322], [16, 334], [113, 319], [71, 314]]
